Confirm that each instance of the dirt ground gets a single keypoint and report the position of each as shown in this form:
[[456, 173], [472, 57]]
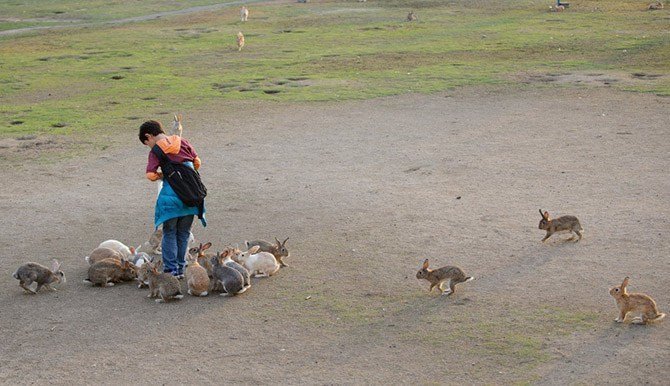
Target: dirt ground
[[365, 190]]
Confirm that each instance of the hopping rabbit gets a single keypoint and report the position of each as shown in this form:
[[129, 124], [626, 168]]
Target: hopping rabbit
[[244, 13], [437, 277], [560, 224], [43, 276]]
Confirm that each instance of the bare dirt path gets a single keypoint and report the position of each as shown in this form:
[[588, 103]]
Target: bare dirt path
[[366, 190]]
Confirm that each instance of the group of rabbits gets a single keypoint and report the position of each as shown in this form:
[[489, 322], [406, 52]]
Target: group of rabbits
[[227, 272], [642, 305]]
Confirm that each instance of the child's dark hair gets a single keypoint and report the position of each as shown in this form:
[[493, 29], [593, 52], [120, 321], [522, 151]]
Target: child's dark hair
[[150, 127]]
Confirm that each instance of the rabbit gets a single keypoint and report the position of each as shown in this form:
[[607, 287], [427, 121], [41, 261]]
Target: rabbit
[[411, 16], [177, 128], [226, 279], [196, 277], [109, 271], [259, 264], [43, 276], [99, 254], [240, 41], [636, 303], [563, 223], [143, 271], [240, 268], [156, 239], [163, 284], [278, 250], [437, 277], [655, 6], [204, 259], [117, 246], [244, 13], [138, 258]]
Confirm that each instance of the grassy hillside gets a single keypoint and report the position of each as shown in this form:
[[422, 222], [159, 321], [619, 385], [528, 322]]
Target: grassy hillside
[[105, 76]]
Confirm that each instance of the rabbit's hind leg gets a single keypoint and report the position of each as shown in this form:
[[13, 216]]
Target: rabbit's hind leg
[[27, 288]]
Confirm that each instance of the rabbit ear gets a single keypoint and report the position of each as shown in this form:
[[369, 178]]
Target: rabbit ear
[[254, 249], [625, 283], [546, 215], [206, 246], [55, 265], [132, 250], [541, 214], [284, 243], [278, 242], [425, 264]]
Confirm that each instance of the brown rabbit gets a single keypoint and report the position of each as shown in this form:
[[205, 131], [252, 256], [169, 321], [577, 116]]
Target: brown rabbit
[[34, 272], [109, 271], [636, 303], [437, 277], [143, 271], [278, 250], [196, 277], [163, 284], [204, 259], [240, 41], [99, 254], [563, 223]]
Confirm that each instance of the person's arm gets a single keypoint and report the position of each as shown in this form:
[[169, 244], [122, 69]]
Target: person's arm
[[152, 168]]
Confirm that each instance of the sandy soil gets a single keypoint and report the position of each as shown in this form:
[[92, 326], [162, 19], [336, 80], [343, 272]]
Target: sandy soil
[[365, 190]]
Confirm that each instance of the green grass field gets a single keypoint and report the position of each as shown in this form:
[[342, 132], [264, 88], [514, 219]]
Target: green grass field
[[106, 76]]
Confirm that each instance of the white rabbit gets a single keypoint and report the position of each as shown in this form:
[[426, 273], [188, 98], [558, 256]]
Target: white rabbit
[[261, 264], [116, 246]]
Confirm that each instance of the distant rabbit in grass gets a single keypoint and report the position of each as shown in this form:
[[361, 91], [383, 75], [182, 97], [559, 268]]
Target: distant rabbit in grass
[[278, 250], [99, 254], [560, 224], [177, 128], [240, 41], [163, 284], [197, 279], [259, 264], [43, 276], [637, 303], [655, 6], [109, 271], [558, 8], [437, 277], [244, 13], [412, 16]]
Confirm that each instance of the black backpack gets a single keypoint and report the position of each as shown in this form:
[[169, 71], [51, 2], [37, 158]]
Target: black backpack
[[184, 180]]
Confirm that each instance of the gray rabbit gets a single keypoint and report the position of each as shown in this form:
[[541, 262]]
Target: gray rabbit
[[43, 276]]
